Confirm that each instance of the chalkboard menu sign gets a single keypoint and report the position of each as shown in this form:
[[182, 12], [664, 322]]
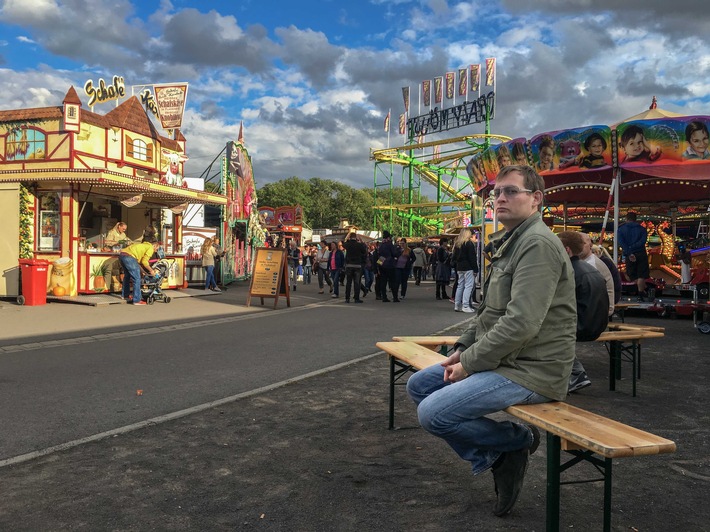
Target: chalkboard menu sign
[[269, 277]]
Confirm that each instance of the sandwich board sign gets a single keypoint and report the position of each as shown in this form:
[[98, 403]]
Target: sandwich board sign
[[270, 276]]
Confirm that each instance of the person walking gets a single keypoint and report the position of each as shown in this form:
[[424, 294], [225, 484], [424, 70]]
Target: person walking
[[355, 255], [420, 262], [387, 254], [442, 274], [208, 261], [336, 262], [322, 256], [294, 261], [403, 267], [519, 349], [466, 270], [307, 264]]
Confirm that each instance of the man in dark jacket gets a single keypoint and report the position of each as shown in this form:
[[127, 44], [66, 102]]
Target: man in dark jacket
[[355, 254], [387, 258], [592, 303], [632, 239]]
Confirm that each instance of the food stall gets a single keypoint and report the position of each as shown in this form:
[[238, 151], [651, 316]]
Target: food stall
[[68, 175]]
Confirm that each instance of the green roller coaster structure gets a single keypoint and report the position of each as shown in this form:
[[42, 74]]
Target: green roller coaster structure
[[439, 163]]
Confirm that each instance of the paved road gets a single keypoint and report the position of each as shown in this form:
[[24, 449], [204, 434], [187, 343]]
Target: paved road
[[69, 372]]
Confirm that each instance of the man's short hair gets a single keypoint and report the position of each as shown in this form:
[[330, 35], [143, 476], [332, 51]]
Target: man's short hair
[[631, 216], [572, 240]]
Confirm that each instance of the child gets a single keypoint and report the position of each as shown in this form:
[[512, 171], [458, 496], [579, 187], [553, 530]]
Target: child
[[595, 146], [633, 142], [546, 154], [696, 133]]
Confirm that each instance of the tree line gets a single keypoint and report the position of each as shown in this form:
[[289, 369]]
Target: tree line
[[325, 202]]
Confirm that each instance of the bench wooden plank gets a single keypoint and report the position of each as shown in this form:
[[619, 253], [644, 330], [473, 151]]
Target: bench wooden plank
[[625, 335], [635, 327], [415, 355], [602, 435], [433, 341]]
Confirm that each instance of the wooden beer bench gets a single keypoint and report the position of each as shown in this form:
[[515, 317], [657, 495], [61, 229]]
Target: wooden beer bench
[[586, 436], [625, 344]]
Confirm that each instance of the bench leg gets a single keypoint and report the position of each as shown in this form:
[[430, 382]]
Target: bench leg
[[392, 378], [607, 495], [614, 364], [552, 519], [635, 355]]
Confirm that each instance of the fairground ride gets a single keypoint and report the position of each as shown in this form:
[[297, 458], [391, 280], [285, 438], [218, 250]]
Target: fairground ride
[[400, 171]]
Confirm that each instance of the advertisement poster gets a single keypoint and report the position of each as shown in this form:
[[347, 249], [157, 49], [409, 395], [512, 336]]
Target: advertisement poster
[[49, 230], [170, 100]]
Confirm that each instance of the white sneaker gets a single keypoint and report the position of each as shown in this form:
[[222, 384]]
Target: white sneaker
[[468, 309], [457, 309]]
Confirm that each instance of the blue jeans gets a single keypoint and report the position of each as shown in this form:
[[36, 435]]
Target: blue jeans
[[131, 271], [462, 299], [335, 278], [209, 277], [369, 277], [455, 412]]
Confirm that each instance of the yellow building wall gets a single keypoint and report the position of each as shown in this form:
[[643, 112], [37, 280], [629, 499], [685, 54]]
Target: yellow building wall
[[9, 239]]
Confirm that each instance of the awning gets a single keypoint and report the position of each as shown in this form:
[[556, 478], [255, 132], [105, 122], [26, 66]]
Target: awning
[[116, 183]]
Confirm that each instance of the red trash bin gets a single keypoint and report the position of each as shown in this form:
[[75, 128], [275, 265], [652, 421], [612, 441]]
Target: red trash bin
[[34, 281]]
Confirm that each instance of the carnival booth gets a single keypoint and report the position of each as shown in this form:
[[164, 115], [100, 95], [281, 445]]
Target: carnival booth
[[242, 229], [656, 163], [69, 175]]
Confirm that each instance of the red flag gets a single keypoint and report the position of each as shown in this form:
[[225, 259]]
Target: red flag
[[463, 81], [438, 92], [240, 138], [387, 122], [402, 124], [450, 85]]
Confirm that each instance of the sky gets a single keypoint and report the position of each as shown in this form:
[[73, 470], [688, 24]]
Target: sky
[[312, 80]]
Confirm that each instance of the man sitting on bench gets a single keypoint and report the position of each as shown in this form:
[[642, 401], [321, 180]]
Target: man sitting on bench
[[518, 349]]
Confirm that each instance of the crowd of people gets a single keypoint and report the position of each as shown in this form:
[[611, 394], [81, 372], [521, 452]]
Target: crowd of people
[[388, 267]]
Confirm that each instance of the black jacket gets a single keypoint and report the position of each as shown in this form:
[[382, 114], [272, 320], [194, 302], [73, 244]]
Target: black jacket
[[592, 301]]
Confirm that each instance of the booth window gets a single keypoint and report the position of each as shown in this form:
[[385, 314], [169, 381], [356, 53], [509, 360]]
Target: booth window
[[139, 149], [49, 221], [24, 144]]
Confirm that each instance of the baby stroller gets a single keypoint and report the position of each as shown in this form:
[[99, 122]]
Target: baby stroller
[[150, 284]]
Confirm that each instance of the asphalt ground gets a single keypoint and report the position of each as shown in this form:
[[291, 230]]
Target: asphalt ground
[[314, 453]]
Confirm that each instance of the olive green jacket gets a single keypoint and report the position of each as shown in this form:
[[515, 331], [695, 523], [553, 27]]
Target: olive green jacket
[[525, 326]]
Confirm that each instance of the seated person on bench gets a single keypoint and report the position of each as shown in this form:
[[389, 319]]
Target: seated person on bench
[[518, 349], [593, 303]]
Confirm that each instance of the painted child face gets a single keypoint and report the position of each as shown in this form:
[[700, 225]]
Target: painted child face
[[546, 154], [699, 142], [596, 148], [504, 161], [635, 146], [521, 159]]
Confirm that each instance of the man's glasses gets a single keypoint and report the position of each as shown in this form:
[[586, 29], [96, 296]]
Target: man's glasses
[[511, 192]]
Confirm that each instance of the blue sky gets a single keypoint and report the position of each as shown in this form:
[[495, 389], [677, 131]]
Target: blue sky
[[313, 80]]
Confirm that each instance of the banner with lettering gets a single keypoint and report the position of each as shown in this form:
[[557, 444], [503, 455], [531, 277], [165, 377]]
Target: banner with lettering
[[475, 77], [405, 97], [438, 89], [450, 85], [463, 81], [170, 100], [426, 92], [490, 71]]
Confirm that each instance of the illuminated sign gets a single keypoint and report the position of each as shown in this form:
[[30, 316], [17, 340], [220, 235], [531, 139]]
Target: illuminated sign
[[104, 93]]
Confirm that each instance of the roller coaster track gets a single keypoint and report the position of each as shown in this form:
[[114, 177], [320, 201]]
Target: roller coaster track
[[429, 166]]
